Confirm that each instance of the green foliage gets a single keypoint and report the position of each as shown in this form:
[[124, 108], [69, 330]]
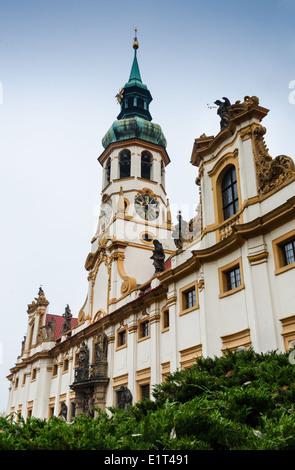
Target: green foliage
[[241, 401]]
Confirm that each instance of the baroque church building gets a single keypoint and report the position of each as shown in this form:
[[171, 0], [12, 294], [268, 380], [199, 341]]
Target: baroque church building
[[160, 295]]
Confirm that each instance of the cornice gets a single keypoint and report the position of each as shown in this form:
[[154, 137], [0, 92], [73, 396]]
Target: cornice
[[111, 319], [142, 143], [271, 220], [240, 233], [173, 274], [29, 360]]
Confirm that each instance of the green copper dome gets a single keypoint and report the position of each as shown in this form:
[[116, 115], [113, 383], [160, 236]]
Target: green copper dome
[[134, 119], [134, 127]]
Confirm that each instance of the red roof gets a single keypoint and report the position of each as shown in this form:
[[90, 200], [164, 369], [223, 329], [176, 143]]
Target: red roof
[[168, 263], [59, 321]]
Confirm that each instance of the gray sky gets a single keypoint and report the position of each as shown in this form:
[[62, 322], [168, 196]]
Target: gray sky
[[61, 65]]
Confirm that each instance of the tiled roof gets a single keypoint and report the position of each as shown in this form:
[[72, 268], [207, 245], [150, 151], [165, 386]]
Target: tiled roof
[[59, 321]]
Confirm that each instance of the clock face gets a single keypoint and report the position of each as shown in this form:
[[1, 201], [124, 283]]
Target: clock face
[[147, 207], [106, 212]]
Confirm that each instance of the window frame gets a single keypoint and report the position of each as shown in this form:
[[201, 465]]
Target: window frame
[[188, 356], [216, 175], [182, 298], [147, 384], [235, 340], [122, 153], [232, 188], [16, 383], [150, 235], [143, 378], [140, 331], [54, 369], [165, 316], [120, 332], [145, 164], [277, 244], [34, 374], [233, 278], [223, 271], [108, 171], [165, 371], [288, 331], [65, 365]]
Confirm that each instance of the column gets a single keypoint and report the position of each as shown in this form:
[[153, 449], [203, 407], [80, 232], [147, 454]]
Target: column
[[155, 344], [132, 356]]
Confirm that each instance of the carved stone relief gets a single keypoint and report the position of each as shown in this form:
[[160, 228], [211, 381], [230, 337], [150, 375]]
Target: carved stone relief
[[271, 173]]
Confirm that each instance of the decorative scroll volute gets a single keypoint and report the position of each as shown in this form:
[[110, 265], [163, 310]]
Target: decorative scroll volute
[[271, 173]]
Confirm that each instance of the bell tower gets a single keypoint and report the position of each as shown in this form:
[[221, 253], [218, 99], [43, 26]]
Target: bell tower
[[134, 206]]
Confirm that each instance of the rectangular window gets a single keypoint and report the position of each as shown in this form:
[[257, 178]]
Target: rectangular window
[[284, 252], [165, 319], [34, 374], [143, 379], [288, 252], [125, 163], [121, 338], [145, 391], [65, 365], [231, 278], [30, 409], [188, 298], [54, 370], [145, 329]]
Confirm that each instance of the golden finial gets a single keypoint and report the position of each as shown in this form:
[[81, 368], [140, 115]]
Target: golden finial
[[135, 42]]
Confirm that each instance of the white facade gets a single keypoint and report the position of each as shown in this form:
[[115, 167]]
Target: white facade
[[256, 310]]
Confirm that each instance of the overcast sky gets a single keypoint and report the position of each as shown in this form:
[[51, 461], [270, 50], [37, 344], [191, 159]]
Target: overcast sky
[[61, 65]]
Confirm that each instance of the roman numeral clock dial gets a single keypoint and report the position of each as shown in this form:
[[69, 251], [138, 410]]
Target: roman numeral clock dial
[[147, 207]]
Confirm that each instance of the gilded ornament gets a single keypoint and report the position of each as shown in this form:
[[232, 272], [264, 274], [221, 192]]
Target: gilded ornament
[[271, 173], [119, 95]]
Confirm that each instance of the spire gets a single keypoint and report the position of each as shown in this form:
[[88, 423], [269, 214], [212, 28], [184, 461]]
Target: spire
[[135, 73], [134, 97], [134, 119]]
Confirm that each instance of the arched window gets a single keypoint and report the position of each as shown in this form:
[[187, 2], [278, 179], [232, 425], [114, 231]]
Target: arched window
[[108, 171], [162, 174], [130, 102], [229, 189], [31, 335], [140, 102], [146, 165], [125, 163]]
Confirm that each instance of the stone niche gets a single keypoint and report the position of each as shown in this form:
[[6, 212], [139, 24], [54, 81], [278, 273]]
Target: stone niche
[[91, 380]]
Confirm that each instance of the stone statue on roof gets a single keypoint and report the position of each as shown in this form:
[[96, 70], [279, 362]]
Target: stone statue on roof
[[50, 328], [67, 320], [222, 111], [158, 257]]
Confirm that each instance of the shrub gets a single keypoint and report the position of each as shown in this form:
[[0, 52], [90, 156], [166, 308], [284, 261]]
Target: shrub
[[240, 401]]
